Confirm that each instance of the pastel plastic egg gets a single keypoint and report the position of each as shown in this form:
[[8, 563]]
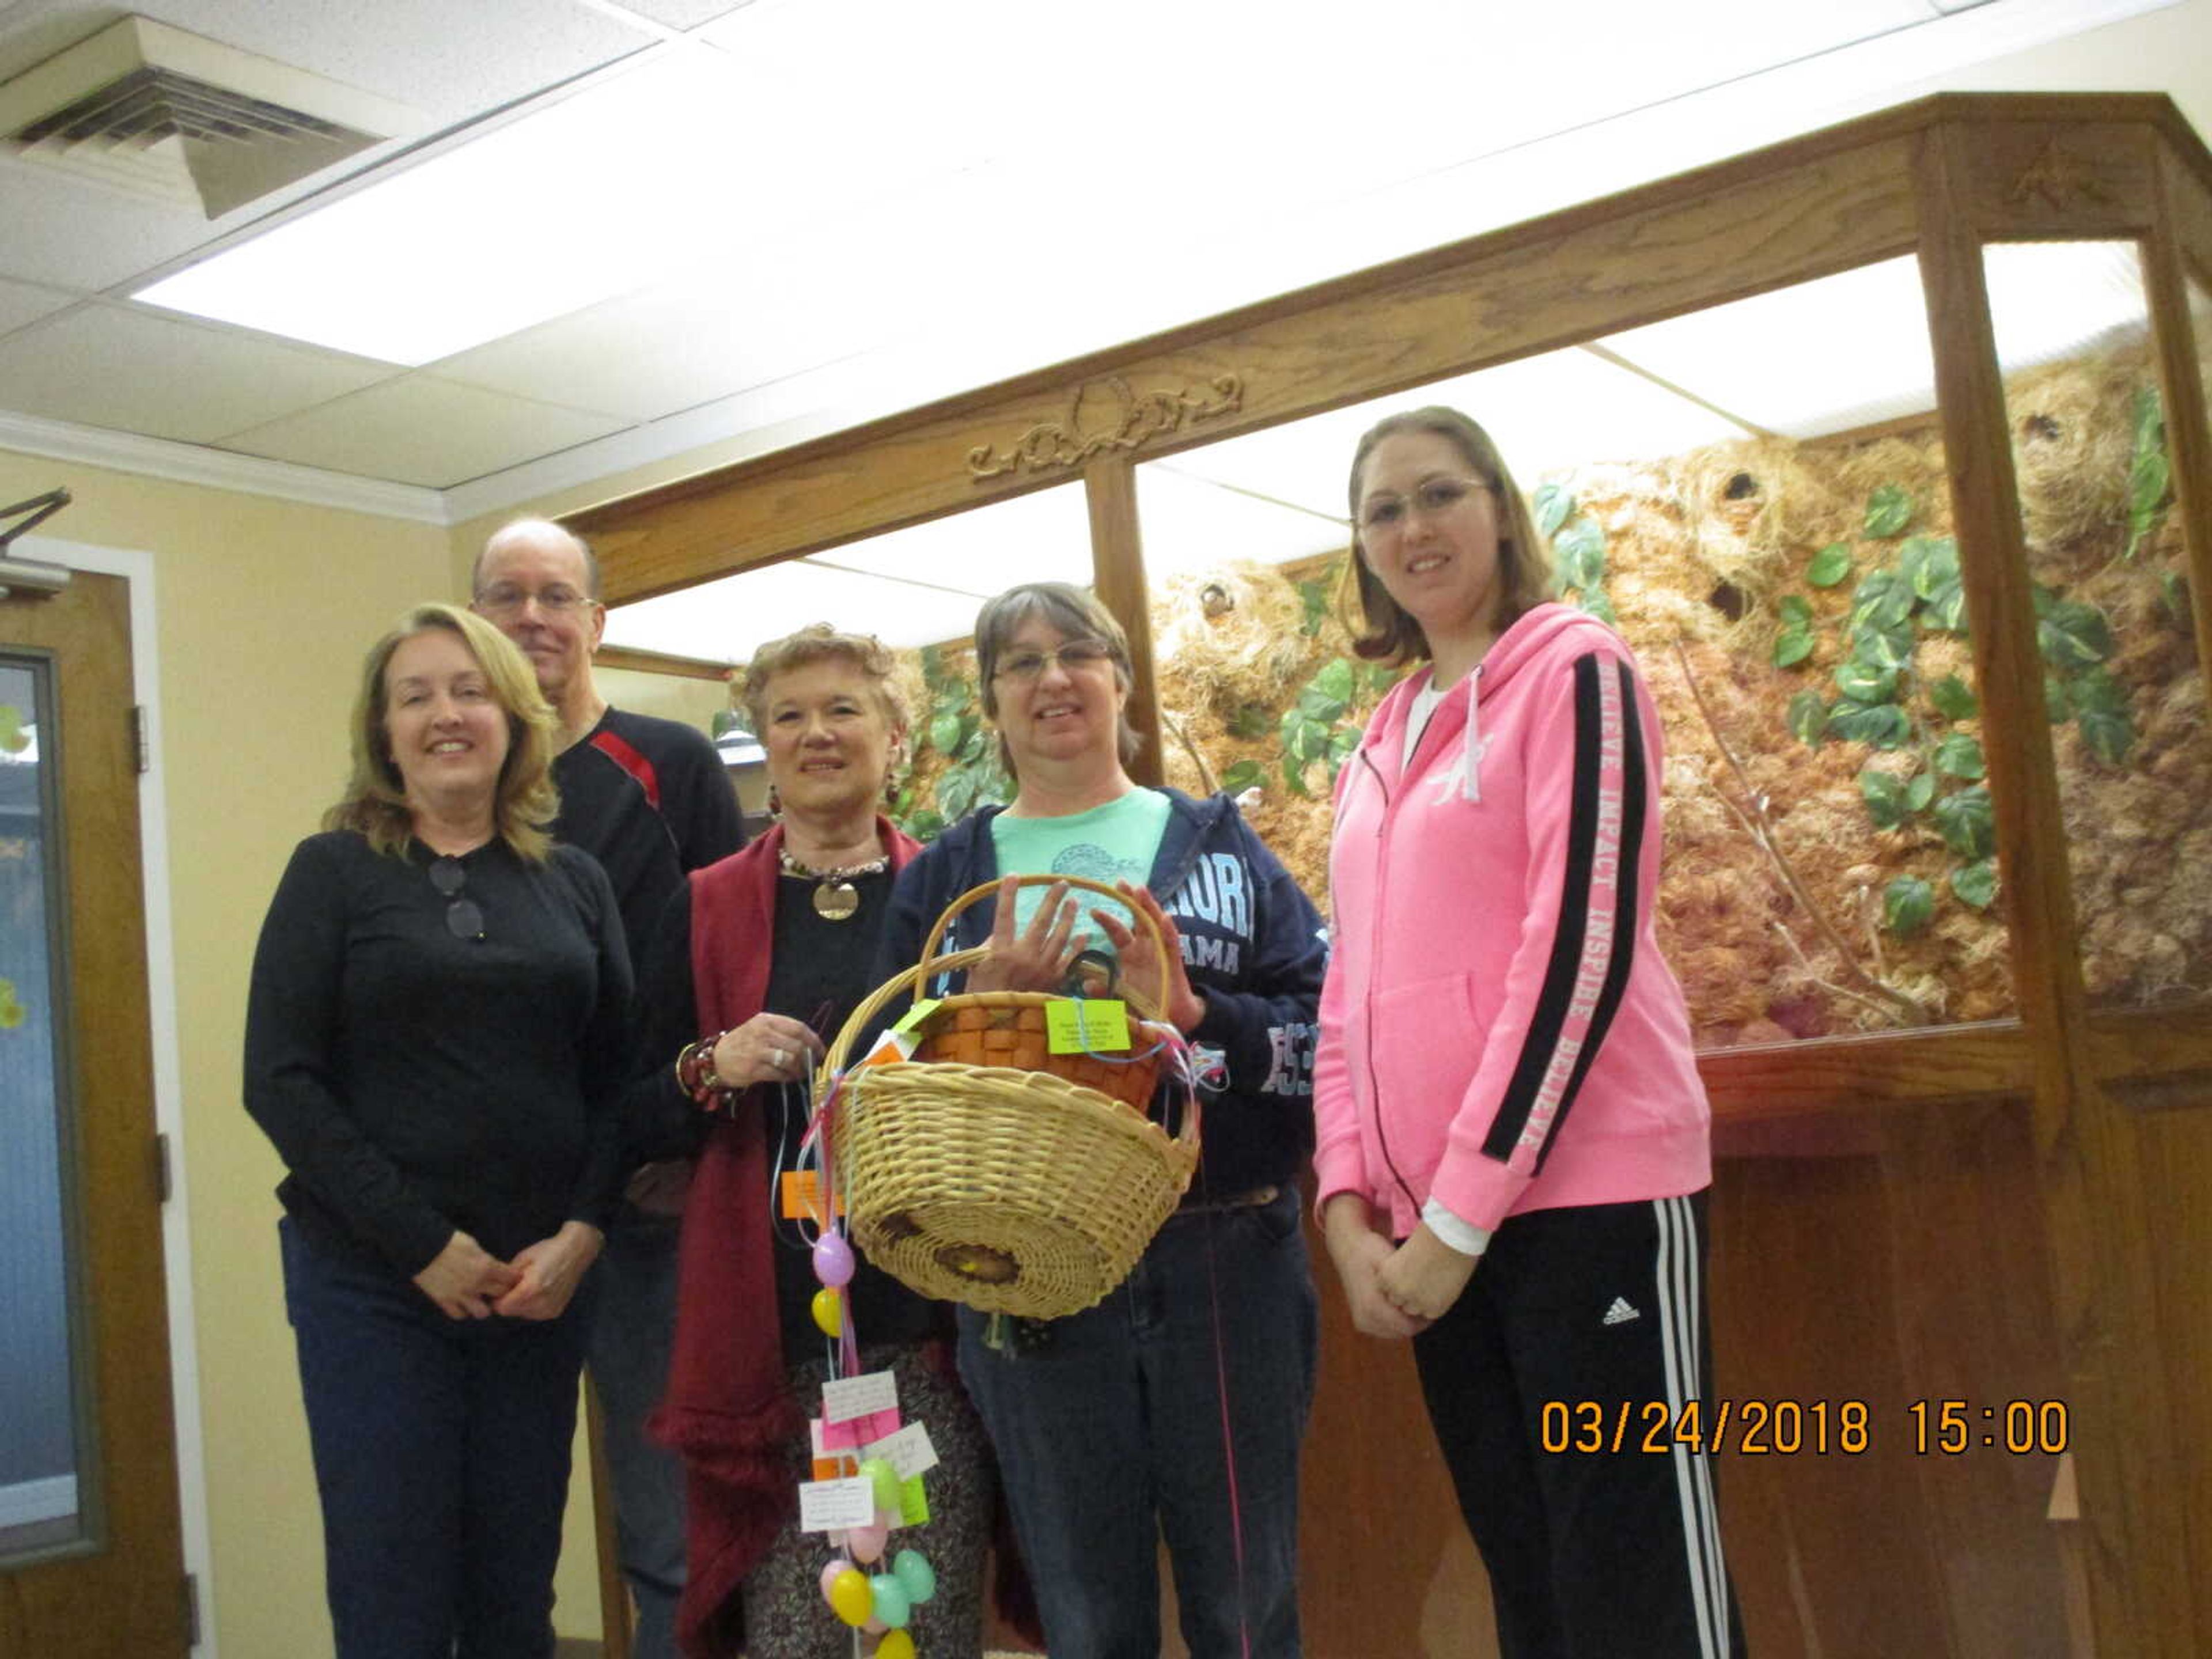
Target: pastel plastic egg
[[866, 1543], [852, 1597], [892, 1606], [830, 1573], [833, 1260], [878, 1470], [912, 1569], [896, 1645], [830, 1310]]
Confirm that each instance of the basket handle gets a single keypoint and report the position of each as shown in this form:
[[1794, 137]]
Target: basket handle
[[833, 1061], [986, 889]]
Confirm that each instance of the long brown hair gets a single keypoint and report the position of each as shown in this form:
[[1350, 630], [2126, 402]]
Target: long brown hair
[[1379, 629], [374, 804]]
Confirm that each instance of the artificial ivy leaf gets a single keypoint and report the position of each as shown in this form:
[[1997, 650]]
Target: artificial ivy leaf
[[1976, 883], [1580, 552], [1882, 599], [1294, 774], [972, 747], [1883, 726], [2108, 735], [2096, 690], [1937, 565], [1796, 611], [1381, 676], [926, 825], [1244, 774], [1953, 698], [944, 733], [1884, 795], [1888, 510], [1961, 757], [1334, 679], [1342, 742], [2073, 635], [1250, 721], [1808, 718], [2058, 706], [1884, 648], [1920, 791], [1310, 742], [1967, 822], [2150, 474], [1830, 565], [1554, 505], [1906, 904], [955, 793], [2045, 598], [1791, 647], [2173, 593], [1911, 554], [1862, 682], [1948, 609], [1596, 603], [1312, 596]]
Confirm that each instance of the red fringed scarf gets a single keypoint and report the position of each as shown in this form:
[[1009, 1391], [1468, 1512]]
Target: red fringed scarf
[[726, 1411]]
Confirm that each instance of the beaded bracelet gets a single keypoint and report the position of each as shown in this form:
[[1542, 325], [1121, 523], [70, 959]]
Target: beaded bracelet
[[696, 1075]]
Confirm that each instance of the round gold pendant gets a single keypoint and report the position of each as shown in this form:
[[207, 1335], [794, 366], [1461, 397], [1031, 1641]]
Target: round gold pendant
[[834, 900]]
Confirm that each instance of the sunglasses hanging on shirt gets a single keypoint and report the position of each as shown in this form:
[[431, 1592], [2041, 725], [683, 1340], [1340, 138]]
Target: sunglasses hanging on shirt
[[464, 916]]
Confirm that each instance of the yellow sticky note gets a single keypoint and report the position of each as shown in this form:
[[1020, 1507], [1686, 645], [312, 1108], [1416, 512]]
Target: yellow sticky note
[[921, 1011], [1079, 1024], [913, 1508], [802, 1196]]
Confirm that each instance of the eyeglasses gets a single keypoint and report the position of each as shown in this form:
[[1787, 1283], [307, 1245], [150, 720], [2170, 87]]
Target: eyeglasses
[[1434, 498], [505, 599], [1074, 656], [464, 916]]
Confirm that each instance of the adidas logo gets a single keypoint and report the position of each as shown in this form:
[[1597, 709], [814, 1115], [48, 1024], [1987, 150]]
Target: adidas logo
[[1621, 1313]]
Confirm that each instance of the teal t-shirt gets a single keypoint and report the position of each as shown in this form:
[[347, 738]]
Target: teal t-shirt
[[1117, 841]]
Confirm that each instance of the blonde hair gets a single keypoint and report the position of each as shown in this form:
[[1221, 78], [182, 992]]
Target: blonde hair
[[1074, 613], [820, 642], [1379, 629], [374, 804]]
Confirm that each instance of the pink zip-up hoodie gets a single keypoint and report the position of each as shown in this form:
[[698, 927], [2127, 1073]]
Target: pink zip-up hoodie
[[1497, 1029]]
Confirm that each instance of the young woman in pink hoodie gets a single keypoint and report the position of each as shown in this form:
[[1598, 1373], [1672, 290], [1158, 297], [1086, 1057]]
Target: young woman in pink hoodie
[[1513, 1140]]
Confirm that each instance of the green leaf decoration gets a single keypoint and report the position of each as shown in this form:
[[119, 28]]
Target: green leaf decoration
[[2073, 635], [1342, 742], [1911, 554], [926, 825], [1554, 505], [1906, 904], [1791, 647], [2058, 706], [944, 734], [2108, 735], [1830, 565], [1795, 611], [1863, 682], [1294, 774], [1967, 822], [1976, 883], [1929, 562], [2096, 690], [1808, 718], [1244, 774], [975, 745], [1579, 551], [2150, 475], [1883, 600], [2173, 594], [1881, 647], [1334, 680], [1920, 791], [1884, 795], [1596, 603], [1884, 725], [1313, 595], [1961, 757], [1250, 722], [1888, 511], [1954, 698], [955, 794], [1948, 609], [2045, 598]]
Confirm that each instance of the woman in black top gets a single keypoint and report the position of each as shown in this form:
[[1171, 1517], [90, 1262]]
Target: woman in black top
[[435, 1042]]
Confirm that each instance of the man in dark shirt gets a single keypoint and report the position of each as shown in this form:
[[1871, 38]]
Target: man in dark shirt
[[649, 799]]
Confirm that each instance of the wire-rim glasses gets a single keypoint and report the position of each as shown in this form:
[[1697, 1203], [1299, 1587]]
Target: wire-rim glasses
[[464, 916]]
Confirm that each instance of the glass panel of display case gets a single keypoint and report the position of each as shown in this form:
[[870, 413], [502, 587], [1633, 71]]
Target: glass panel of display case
[[40, 1429], [1754, 495], [2122, 677], [918, 590]]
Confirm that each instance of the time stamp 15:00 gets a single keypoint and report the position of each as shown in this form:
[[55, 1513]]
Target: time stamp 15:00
[[1788, 1428]]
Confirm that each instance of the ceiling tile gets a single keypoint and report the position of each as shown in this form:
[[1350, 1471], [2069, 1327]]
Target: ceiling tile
[[111, 366], [419, 430], [26, 302]]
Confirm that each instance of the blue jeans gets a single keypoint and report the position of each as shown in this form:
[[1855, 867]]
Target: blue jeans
[[1110, 1433], [441, 1456], [630, 1323]]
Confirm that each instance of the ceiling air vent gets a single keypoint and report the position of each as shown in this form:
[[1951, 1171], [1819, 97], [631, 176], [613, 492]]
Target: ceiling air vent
[[145, 108]]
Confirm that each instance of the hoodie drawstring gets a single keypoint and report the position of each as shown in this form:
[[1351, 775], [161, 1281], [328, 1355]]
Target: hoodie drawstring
[[1470, 762]]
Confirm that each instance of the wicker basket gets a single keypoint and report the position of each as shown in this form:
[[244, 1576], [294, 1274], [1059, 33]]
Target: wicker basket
[[987, 1171]]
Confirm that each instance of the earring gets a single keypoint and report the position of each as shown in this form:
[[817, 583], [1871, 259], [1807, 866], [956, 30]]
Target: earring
[[775, 803]]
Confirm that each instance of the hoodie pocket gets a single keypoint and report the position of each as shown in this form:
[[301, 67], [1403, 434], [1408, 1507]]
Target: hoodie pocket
[[1427, 1043]]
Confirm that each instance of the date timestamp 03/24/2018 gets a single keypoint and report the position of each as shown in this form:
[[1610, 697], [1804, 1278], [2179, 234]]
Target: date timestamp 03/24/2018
[[1789, 1428]]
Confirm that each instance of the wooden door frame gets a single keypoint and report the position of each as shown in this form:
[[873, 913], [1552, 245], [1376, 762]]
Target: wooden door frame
[[136, 568]]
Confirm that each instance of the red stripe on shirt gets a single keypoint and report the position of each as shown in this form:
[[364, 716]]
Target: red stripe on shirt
[[632, 762]]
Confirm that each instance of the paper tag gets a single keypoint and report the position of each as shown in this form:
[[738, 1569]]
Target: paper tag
[[845, 1398], [921, 1011], [1081, 1024], [855, 1432], [914, 1507], [829, 1464], [828, 1505], [891, 1047], [908, 1452], [802, 1196]]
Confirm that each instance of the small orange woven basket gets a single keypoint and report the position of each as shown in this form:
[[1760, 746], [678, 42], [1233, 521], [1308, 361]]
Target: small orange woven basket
[[988, 1170]]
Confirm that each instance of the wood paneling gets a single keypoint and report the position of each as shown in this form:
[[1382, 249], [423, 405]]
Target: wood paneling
[[1117, 575]]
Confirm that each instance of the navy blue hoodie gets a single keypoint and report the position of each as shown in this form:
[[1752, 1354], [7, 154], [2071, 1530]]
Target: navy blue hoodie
[[1253, 946]]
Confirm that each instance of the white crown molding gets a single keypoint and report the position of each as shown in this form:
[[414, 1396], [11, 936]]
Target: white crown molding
[[217, 469]]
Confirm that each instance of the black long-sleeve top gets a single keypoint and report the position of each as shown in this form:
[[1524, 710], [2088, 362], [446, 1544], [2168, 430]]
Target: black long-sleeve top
[[414, 1082]]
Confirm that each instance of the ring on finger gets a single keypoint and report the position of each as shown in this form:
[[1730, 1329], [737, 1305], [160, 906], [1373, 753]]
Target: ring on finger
[[778, 1059]]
